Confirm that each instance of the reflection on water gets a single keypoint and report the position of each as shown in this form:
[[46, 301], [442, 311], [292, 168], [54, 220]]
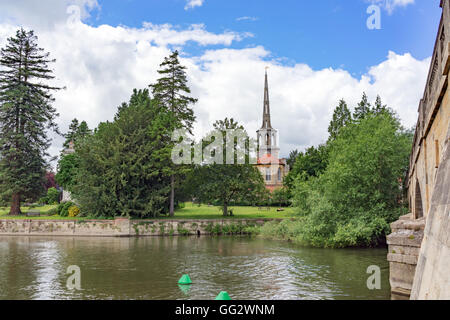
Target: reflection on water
[[149, 268]]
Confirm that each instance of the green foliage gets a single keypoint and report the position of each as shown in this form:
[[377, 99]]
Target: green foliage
[[67, 170], [63, 208], [341, 117], [362, 109], [172, 93], [280, 197], [26, 115], [310, 163], [77, 132], [224, 184], [52, 196], [124, 167], [353, 201]]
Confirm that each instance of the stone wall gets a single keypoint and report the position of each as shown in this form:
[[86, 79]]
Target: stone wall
[[432, 276], [428, 189], [403, 252], [125, 227]]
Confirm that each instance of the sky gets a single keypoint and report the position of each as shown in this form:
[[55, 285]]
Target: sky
[[317, 53]]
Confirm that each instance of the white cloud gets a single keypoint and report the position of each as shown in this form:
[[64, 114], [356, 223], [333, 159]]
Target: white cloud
[[246, 18], [193, 3], [101, 65], [391, 5]]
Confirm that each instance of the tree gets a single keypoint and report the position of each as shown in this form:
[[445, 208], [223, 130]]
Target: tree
[[50, 180], [226, 183], [310, 163], [341, 117], [171, 91], [292, 158], [124, 167], [77, 131], [26, 114], [68, 166], [363, 108], [353, 201]]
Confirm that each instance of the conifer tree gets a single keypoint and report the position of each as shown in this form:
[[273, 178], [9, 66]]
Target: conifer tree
[[363, 108], [341, 117], [172, 92], [26, 114], [77, 131], [379, 107]]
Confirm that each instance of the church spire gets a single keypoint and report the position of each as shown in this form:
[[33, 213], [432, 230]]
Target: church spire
[[266, 111]]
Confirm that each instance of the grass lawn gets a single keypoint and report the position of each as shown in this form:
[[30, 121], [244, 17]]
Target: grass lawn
[[192, 211], [44, 213]]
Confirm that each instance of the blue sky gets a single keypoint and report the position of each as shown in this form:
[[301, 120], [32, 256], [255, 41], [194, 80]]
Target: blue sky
[[318, 52], [325, 33]]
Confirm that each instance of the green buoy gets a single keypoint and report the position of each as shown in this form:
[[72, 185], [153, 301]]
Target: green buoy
[[185, 280], [223, 296]]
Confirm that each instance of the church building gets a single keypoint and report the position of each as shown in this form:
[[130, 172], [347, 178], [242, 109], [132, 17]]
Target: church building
[[272, 168]]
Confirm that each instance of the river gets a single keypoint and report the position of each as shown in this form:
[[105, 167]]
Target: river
[[149, 268]]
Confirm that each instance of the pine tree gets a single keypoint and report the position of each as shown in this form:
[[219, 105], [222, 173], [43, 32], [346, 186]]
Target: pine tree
[[26, 113], [363, 108], [76, 132], [171, 91], [341, 117], [379, 107]]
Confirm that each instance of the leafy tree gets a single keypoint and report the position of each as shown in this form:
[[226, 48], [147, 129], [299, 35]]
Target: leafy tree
[[355, 199], [363, 108], [172, 92], [68, 166], [281, 197], [50, 181], [292, 158], [310, 163], [124, 167], [226, 183], [26, 114], [68, 163], [52, 196], [341, 117]]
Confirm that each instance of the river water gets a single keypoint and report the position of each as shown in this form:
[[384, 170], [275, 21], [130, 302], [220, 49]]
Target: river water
[[149, 268]]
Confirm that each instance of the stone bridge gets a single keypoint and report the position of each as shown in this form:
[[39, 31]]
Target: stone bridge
[[419, 246]]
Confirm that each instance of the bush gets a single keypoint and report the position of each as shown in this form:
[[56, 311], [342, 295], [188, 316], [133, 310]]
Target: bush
[[43, 201], [51, 198], [74, 211], [52, 212], [63, 208]]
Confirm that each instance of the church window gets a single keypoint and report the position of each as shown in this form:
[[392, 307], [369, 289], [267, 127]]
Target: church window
[[279, 174], [268, 174]]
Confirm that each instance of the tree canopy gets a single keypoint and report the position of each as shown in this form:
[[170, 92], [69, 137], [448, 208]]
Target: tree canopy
[[123, 166], [26, 115]]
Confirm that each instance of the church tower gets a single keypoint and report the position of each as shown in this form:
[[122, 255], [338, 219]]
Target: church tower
[[271, 167], [267, 136]]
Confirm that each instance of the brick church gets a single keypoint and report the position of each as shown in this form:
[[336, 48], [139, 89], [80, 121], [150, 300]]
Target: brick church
[[272, 168]]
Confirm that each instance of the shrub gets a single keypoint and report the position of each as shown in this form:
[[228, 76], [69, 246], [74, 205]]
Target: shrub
[[63, 208], [52, 212], [74, 211], [43, 201], [52, 196]]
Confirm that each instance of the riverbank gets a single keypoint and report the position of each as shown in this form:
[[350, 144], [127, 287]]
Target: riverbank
[[127, 228]]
